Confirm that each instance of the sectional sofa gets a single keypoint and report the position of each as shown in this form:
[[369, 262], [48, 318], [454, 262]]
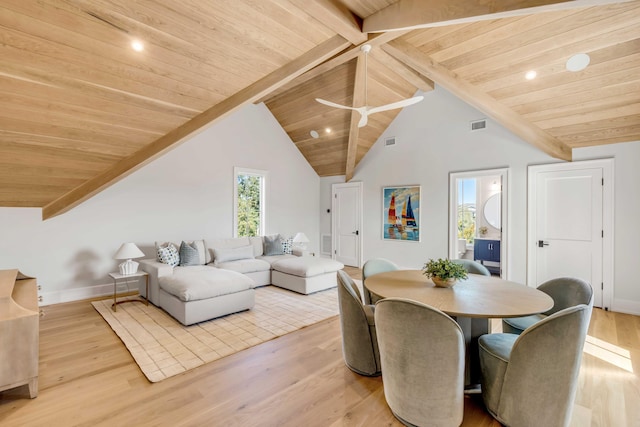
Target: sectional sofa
[[220, 279]]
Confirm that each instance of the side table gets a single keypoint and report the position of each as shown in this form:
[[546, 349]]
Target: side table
[[302, 252], [122, 277]]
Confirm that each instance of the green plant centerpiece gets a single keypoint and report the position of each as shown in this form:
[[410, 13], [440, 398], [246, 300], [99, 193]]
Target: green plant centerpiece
[[444, 272]]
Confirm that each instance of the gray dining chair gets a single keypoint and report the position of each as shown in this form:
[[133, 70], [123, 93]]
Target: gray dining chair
[[359, 341], [371, 267], [530, 380], [565, 292], [422, 354], [472, 267]]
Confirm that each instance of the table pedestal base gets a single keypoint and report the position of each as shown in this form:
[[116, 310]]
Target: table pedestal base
[[473, 328]]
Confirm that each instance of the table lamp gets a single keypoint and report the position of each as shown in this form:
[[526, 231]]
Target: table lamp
[[128, 251], [301, 240]]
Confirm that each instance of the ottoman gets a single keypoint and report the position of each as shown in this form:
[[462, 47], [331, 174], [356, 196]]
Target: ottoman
[[197, 293], [305, 275]]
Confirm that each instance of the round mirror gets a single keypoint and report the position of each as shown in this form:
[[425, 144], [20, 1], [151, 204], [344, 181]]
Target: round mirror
[[491, 211]]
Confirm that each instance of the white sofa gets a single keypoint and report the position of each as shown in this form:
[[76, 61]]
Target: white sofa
[[224, 284]]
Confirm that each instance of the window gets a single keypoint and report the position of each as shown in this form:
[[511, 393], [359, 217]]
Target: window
[[249, 205], [467, 209]]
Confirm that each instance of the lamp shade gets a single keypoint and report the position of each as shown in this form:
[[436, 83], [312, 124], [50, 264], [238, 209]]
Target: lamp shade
[[300, 238], [128, 251]]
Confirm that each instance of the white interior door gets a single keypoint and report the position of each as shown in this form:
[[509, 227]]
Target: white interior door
[[346, 223], [567, 237]]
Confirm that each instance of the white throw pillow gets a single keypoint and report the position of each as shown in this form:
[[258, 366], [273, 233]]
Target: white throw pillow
[[232, 254], [168, 254]]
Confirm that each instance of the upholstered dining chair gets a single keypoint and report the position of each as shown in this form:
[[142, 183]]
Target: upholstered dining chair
[[359, 341], [531, 379], [472, 267], [422, 352], [565, 292], [371, 267]]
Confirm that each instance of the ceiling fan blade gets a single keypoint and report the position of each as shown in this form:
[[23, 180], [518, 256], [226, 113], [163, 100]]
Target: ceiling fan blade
[[333, 104], [394, 105], [364, 117]]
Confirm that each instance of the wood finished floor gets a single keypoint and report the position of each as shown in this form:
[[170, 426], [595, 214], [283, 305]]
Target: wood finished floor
[[88, 378]]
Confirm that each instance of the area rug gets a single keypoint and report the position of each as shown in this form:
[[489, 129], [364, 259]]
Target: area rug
[[162, 347]]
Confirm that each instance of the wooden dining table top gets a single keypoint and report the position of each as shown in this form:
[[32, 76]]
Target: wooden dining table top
[[477, 296]]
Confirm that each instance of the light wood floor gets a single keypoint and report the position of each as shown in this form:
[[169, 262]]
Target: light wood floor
[[88, 378]]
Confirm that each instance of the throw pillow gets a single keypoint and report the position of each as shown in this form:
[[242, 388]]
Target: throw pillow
[[273, 245], [287, 245], [189, 254], [232, 254], [168, 254], [202, 251]]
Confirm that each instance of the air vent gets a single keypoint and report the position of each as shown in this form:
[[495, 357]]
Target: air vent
[[325, 246], [390, 141], [478, 125]]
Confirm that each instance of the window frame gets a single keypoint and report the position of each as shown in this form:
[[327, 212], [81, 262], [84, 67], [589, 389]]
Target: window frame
[[263, 175]]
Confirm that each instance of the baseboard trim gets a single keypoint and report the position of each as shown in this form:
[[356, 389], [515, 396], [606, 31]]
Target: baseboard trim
[[87, 292], [624, 306]]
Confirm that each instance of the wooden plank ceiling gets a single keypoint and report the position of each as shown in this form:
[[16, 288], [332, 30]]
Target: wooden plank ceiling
[[81, 109]]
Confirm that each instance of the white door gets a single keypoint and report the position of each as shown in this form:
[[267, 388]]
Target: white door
[[567, 238], [346, 223]]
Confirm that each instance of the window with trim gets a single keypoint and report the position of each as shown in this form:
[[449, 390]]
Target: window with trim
[[249, 204]]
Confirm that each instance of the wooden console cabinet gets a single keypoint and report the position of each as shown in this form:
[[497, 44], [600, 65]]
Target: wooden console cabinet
[[19, 331]]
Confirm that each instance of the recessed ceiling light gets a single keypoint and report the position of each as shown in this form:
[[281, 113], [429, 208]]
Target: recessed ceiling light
[[137, 45], [328, 130], [530, 75], [578, 62], [314, 134]]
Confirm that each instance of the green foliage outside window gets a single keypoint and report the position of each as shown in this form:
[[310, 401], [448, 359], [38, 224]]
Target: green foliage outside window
[[467, 222], [249, 205]]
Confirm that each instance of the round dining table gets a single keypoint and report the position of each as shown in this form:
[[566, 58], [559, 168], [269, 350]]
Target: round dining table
[[477, 296], [471, 302]]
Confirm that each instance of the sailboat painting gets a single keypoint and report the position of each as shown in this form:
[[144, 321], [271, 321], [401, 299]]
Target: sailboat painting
[[401, 213]]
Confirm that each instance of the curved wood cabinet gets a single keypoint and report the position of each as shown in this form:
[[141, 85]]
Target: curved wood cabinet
[[19, 331]]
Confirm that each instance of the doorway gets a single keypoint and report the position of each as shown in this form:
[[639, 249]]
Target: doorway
[[346, 223], [478, 220], [570, 228]]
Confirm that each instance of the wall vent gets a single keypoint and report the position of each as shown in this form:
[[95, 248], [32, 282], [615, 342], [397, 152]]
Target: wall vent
[[325, 245], [478, 124], [390, 141]]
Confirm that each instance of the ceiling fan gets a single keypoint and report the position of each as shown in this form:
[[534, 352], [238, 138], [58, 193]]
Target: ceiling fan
[[366, 110]]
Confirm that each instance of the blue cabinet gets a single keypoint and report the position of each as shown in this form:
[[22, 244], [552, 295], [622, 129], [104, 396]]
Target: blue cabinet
[[487, 250]]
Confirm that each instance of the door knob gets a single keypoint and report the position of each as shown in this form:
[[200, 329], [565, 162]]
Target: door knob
[[542, 243], [357, 232]]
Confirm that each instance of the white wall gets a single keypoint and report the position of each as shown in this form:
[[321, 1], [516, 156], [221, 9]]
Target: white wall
[[433, 139], [186, 194]]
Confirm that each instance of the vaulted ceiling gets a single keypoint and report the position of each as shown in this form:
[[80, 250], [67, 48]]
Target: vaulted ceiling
[[81, 109]]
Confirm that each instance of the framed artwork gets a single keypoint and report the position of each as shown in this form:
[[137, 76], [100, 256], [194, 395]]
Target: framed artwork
[[401, 213]]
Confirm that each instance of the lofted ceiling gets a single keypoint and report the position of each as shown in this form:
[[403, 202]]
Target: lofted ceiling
[[81, 109]]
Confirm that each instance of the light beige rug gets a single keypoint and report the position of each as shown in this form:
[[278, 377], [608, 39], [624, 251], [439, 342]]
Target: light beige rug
[[162, 347]]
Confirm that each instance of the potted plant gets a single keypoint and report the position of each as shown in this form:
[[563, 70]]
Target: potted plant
[[483, 231], [444, 272]]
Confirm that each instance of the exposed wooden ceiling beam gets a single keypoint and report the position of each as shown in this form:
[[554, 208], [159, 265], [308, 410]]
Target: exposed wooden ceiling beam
[[401, 69], [508, 118], [336, 16], [160, 146], [359, 88], [346, 56], [414, 14]]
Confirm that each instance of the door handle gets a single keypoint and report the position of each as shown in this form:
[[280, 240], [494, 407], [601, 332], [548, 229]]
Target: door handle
[[542, 243], [357, 232]]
